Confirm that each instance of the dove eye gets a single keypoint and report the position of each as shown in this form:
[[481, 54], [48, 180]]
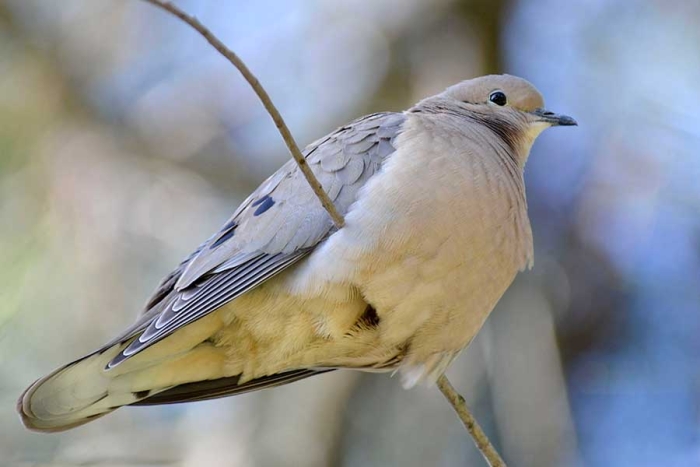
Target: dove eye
[[498, 98]]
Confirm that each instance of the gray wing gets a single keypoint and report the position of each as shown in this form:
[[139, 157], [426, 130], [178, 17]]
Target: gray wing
[[276, 226]]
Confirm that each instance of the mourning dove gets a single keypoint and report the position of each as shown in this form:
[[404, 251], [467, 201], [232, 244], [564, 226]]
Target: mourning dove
[[436, 229]]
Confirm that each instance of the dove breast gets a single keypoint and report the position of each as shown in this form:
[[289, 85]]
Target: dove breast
[[433, 240]]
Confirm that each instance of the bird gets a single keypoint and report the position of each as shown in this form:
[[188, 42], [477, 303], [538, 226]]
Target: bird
[[436, 229]]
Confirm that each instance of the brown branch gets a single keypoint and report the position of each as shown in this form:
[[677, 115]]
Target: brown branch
[[480, 439], [266, 101], [456, 400]]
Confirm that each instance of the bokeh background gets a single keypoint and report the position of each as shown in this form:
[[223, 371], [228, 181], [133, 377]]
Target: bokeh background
[[125, 139]]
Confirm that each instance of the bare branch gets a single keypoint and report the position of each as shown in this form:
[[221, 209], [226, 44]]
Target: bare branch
[[456, 400], [267, 102], [480, 439]]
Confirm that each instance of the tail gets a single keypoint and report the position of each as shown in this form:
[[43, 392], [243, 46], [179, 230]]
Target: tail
[[71, 396], [84, 390], [185, 366]]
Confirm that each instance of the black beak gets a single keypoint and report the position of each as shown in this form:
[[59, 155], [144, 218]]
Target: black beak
[[553, 119]]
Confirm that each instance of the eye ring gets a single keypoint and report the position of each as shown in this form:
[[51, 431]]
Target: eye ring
[[498, 97]]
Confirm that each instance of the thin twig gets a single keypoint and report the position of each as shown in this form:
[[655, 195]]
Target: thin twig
[[456, 400], [480, 439], [267, 102]]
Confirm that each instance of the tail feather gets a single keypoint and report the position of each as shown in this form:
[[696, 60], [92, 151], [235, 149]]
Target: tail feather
[[69, 396], [183, 367], [86, 389], [224, 387]]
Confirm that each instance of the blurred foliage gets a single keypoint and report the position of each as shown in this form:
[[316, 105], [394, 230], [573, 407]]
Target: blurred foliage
[[125, 140]]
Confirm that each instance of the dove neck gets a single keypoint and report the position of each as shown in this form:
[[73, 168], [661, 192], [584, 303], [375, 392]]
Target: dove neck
[[506, 132]]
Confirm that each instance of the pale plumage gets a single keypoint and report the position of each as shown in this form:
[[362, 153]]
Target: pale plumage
[[436, 229]]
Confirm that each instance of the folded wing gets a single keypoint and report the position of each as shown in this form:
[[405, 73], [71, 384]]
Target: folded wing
[[276, 226]]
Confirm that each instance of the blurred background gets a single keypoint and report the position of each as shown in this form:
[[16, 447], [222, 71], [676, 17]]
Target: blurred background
[[125, 140]]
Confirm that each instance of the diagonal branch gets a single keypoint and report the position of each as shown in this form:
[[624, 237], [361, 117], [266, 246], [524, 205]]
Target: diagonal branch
[[480, 439], [456, 400], [266, 101]]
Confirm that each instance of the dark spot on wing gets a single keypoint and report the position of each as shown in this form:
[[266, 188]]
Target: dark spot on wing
[[266, 202], [222, 239], [229, 225], [259, 200], [227, 232]]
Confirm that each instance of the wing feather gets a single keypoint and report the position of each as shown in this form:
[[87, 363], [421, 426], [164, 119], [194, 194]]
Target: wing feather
[[275, 227]]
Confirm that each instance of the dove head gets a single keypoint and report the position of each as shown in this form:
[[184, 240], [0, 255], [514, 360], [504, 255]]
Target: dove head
[[510, 108]]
